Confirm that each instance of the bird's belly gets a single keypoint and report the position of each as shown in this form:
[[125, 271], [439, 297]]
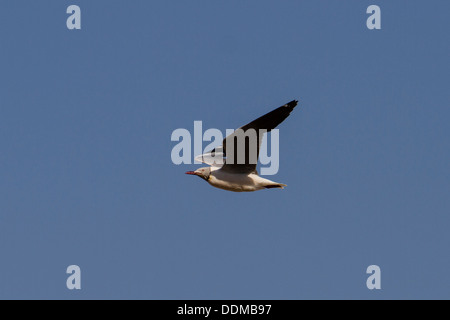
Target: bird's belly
[[234, 182]]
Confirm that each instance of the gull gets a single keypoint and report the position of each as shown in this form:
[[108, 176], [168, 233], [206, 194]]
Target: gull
[[236, 171]]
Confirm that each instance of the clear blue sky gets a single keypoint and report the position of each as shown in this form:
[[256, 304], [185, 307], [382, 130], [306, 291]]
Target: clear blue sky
[[86, 176]]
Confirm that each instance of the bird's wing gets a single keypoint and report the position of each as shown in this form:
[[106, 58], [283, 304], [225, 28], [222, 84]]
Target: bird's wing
[[246, 140], [215, 158]]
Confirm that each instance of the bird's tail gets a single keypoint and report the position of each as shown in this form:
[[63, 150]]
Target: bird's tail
[[275, 185]]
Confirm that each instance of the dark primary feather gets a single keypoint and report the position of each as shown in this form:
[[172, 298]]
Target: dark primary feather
[[267, 122], [272, 119]]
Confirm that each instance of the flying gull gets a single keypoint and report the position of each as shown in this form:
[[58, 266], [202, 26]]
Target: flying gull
[[236, 170]]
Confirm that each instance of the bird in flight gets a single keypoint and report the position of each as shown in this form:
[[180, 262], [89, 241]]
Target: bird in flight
[[233, 165]]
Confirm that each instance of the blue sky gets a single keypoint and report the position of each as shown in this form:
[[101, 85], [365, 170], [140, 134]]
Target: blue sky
[[86, 176]]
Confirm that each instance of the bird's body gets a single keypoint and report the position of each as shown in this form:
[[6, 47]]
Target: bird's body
[[240, 182], [238, 173]]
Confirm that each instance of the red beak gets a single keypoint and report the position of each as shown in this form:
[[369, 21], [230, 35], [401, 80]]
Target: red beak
[[191, 172]]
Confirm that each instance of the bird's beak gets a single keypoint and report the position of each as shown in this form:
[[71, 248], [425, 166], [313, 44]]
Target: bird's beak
[[192, 172]]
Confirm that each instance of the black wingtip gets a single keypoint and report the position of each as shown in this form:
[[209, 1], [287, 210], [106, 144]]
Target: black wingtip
[[291, 104]]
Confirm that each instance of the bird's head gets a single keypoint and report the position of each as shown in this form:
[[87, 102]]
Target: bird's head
[[202, 172]]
